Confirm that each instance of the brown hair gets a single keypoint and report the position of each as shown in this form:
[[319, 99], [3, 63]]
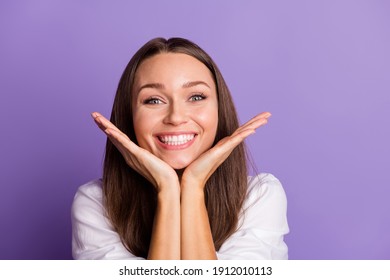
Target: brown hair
[[130, 199]]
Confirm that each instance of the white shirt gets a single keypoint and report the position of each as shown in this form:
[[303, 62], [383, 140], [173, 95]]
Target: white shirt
[[261, 228]]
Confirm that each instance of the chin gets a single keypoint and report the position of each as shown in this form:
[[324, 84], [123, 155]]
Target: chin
[[178, 164]]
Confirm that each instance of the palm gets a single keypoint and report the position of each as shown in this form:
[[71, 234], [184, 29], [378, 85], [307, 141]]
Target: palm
[[203, 167], [148, 165]]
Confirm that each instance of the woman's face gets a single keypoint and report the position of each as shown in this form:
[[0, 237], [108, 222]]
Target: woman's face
[[175, 108]]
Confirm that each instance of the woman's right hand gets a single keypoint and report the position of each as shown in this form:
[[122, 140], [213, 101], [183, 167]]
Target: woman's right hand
[[159, 173]]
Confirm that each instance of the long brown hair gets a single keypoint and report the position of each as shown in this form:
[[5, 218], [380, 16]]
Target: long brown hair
[[130, 200]]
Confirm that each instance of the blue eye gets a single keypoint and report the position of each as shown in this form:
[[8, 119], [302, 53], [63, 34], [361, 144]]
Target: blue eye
[[152, 101], [197, 97]]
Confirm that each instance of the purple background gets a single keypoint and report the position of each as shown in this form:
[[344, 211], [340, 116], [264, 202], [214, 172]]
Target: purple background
[[321, 67]]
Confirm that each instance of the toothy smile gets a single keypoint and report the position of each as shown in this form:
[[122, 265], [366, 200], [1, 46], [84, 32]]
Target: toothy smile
[[176, 140]]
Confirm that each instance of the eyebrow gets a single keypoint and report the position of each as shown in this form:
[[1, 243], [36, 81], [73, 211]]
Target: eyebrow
[[152, 85], [185, 85], [194, 83]]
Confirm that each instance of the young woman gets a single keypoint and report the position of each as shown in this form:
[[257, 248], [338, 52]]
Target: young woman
[[175, 182]]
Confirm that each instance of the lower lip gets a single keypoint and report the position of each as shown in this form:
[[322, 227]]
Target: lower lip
[[176, 147]]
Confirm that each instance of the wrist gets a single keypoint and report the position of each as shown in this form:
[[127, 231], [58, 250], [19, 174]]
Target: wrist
[[168, 190], [167, 183], [193, 190]]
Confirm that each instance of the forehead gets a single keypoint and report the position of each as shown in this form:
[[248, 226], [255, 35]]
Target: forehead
[[171, 69]]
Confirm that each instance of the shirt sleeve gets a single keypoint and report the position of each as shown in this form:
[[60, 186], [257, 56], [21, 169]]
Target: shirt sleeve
[[93, 237], [262, 224]]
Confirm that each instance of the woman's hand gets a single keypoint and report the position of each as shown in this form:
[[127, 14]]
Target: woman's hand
[[196, 237], [159, 173], [200, 170], [165, 239]]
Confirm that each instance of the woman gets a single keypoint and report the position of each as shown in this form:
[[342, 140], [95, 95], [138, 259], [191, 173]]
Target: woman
[[175, 182]]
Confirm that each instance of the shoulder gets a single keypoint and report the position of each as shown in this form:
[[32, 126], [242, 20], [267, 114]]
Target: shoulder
[[91, 189], [262, 222], [265, 205], [264, 187], [88, 202], [88, 197], [93, 236]]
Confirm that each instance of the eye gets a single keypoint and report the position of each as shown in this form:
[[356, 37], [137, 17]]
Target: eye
[[152, 101], [197, 97]]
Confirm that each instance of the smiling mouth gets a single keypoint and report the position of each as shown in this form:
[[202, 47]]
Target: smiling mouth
[[176, 140]]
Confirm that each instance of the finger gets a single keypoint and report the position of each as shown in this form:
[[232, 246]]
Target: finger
[[255, 124], [129, 150], [229, 143], [102, 122], [225, 146], [264, 115], [121, 141], [234, 140], [141, 160], [221, 151], [257, 121]]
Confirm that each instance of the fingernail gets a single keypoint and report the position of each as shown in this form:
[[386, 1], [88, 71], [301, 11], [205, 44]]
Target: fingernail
[[97, 121], [268, 115], [94, 115]]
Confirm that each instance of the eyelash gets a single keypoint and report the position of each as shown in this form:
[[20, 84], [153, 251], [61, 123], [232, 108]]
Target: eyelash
[[151, 99], [201, 95], [155, 100]]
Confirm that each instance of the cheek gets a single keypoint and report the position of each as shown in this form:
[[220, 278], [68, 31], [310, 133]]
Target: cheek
[[208, 119], [143, 125]]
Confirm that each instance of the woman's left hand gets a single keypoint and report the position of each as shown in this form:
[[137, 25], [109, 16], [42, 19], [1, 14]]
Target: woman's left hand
[[200, 170]]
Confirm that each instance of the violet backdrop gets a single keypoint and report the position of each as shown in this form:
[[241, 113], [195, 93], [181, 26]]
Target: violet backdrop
[[322, 68]]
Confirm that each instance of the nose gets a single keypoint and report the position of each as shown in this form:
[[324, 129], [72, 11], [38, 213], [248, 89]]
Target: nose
[[176, 115]]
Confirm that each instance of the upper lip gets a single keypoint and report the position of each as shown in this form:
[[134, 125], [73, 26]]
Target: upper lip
[[175, 133]]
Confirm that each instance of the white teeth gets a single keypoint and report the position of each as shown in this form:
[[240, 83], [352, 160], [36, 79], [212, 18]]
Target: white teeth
[[176, 139]]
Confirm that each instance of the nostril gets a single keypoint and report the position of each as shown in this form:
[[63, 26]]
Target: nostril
[[176, 116]]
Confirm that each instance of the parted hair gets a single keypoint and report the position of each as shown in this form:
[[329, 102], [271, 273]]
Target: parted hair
[[130, 200]]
